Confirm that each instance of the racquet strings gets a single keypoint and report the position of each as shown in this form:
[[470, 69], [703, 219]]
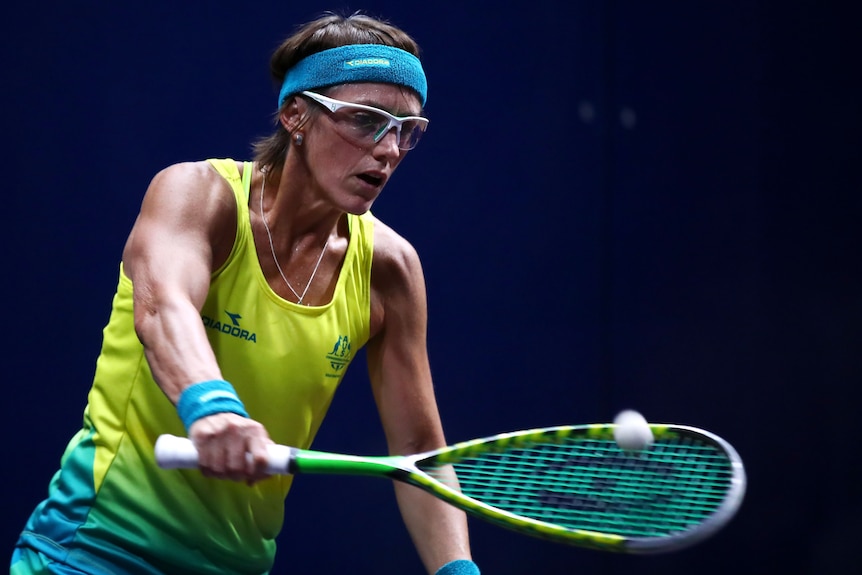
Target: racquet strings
[[590, 484]]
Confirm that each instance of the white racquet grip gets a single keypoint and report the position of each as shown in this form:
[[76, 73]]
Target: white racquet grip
[[174, 452]]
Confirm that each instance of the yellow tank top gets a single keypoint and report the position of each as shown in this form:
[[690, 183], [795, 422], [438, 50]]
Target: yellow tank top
[[285, 361]]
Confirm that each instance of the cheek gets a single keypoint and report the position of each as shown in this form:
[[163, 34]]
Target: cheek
[[334, 166], [334, 147], [333, 156]]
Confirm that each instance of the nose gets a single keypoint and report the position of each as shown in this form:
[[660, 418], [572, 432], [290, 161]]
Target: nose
[[388, 144]]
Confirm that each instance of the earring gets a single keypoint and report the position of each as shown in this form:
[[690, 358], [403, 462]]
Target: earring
[[297, 138]]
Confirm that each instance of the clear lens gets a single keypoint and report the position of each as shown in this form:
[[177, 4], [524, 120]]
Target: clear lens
[[367, 125], [363, 124], [411, 132]]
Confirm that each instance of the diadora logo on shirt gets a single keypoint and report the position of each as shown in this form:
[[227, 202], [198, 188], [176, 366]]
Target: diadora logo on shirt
[[339, 357], [230, 327]]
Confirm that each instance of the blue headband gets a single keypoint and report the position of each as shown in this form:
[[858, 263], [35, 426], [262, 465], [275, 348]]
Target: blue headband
[[355, 63]]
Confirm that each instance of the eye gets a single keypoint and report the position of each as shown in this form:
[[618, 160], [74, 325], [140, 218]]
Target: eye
[[367, 121]]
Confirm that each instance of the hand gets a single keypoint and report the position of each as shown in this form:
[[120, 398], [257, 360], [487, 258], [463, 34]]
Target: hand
[[231, 447]]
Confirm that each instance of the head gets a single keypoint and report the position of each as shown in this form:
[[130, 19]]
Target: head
[[324, 44]]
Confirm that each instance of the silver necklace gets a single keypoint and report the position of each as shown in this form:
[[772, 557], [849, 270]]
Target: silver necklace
[[299, 297]]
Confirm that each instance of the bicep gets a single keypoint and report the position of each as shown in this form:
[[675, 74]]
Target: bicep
[[169, 251], [169, 258]]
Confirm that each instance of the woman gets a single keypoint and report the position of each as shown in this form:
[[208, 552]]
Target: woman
[[245, 290]]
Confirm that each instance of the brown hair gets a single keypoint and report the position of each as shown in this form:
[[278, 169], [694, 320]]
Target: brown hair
[[329, 31]]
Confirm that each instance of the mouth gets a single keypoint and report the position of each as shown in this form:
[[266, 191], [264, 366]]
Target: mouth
[[374, 179]]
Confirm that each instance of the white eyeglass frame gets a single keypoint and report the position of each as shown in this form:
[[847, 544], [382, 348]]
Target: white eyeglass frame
[[396, 122]]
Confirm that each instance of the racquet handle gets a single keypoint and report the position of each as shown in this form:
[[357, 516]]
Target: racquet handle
[[174, 452]]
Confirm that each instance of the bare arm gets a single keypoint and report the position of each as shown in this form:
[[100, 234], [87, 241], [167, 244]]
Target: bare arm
[[176, 242], [401, 379]]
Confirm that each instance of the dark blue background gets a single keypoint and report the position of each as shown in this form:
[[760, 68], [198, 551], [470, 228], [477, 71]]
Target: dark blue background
[[618, 204]]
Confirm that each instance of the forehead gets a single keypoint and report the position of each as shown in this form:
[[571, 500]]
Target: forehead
[[397, 100]]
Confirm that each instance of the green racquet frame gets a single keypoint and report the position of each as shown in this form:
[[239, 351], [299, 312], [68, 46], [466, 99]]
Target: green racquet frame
[[569, 484]]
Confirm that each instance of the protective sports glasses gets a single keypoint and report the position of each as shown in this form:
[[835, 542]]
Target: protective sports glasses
[[367, 125]]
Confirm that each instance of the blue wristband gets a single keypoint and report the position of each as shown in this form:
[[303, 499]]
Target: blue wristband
[[208, 398], [458, 567]]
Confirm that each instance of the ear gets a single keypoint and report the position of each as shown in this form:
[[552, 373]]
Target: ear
[[290, 116]]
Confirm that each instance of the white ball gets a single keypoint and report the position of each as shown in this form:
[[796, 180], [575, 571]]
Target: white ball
[[631, 431]]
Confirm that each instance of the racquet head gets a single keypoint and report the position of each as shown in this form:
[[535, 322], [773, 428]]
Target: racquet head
[[574, 484]]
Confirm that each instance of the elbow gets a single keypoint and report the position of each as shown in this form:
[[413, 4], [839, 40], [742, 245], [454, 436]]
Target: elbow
[[145, 313], [145, 316]]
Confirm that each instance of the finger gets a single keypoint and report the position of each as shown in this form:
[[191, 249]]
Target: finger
[[257, 461], [236, 459]]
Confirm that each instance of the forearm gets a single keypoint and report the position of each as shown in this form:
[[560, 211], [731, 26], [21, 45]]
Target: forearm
[[180, 356], [176, 346], [438, 530]]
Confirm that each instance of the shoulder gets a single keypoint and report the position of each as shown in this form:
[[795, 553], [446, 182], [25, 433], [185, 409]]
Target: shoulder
[[397, 281], [188, 178], [190, 190], [395, 258], [187, 200]]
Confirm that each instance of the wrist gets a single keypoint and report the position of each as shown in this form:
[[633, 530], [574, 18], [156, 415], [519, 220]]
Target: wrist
[[208, 398], [458, 567]]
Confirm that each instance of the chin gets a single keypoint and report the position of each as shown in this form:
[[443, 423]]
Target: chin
[[359, 209], [356, 205]]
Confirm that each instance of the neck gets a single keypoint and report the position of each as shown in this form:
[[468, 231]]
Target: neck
[[294, 211], [296, 259]]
